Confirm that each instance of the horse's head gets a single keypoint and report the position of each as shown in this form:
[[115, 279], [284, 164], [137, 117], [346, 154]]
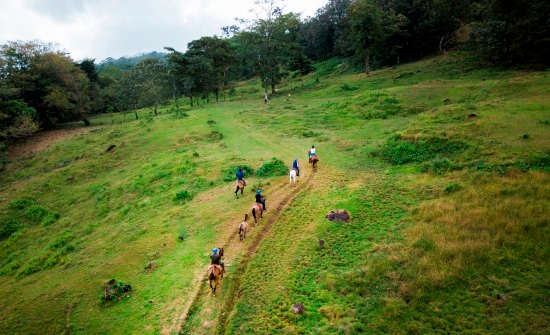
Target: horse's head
[[221, 251]]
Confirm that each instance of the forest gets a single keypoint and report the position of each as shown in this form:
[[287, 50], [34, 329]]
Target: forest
[[42, 87]]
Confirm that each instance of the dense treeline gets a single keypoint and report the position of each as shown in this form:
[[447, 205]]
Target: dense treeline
[[41, 87]]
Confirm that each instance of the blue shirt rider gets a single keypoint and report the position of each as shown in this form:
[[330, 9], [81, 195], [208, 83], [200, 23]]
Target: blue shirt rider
[[240, 174], [295, 166]]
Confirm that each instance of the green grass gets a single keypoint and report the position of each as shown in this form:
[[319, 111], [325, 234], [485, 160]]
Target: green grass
[[448, 201]]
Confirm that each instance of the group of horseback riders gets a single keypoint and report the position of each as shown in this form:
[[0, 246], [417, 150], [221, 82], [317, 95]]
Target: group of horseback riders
[[217, 267]]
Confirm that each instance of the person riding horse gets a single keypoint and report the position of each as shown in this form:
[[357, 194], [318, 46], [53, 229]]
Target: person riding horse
[[311, 151], [295, 166], [216, 258], [260, 199], [240, 174]]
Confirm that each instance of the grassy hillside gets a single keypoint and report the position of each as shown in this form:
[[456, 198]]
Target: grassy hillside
[[443, 166]]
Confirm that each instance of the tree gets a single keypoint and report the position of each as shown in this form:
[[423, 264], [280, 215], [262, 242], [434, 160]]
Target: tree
[[153, 76], [366, 29], [277, 36], [219, 54]]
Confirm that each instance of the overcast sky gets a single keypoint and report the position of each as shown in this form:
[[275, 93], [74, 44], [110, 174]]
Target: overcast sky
[[110, 28]]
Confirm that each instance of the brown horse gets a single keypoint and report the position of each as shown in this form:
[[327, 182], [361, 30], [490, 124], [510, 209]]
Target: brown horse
[[243, 227], [313, 160], [258, 209], [239, 185], [215, 274]]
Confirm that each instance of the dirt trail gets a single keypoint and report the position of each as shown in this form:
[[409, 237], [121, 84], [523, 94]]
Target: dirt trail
[[214, 311]]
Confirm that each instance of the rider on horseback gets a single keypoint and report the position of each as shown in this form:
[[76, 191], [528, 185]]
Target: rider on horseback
[[260, 199], [311, 151], [295, 166], [216, 258], [240, 174]]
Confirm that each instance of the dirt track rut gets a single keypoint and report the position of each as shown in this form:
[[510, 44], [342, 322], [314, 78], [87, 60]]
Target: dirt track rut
[[201, 293]]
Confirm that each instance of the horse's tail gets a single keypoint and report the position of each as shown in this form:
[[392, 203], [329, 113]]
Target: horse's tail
[[254, 212], [241, 228], [211, 276]]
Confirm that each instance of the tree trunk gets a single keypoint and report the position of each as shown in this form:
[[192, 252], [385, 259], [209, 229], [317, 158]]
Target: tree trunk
[[191, 100], [217, 94], [367, 62], [135, 112], [84, 119], [272, 88], [156, 105]]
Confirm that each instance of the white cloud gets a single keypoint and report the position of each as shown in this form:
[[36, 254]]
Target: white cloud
[[103, 28]]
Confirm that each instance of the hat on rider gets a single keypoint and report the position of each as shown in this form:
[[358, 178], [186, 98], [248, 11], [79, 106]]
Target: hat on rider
[[258, 191], [215, 250]]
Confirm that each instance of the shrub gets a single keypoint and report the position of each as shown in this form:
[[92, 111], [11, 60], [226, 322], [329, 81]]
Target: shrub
[[115, 290], [275, 167], [310, 133], [183, 196], [346, 87], [8, 227], [439, 166], [50, 218], [21, 203], [229, 173], [452, 187], [214, 136], [35, 213], [398, 151]]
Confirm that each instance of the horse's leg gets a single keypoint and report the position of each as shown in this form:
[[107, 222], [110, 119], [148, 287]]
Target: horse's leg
[[242, 190], [254, 215], [236, 191]]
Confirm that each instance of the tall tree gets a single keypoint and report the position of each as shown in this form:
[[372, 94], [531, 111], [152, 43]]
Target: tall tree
[[277, 33]]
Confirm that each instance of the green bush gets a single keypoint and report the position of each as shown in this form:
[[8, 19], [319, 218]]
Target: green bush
[[452, 187], [275, 167], [310, 133], [439, 166], [8, 227], [346, 87], [229, 173], [21, 203], [35, 213], [398, 151], [183, 196]]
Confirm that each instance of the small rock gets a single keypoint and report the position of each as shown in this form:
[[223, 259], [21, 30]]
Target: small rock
[[110, 148], [473, 115], [321, 244], [339, 215], [298, 308]]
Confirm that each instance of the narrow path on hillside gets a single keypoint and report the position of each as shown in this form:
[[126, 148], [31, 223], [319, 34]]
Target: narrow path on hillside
[[209, 314]]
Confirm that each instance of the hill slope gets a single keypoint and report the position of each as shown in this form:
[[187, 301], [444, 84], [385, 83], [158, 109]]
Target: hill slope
[[444, 168]]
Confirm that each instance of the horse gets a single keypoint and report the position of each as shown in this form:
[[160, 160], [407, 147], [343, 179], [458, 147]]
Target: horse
[[215, 274], [313, 160], [239, 185], [258, 208], [243, 227], [293, 176]]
